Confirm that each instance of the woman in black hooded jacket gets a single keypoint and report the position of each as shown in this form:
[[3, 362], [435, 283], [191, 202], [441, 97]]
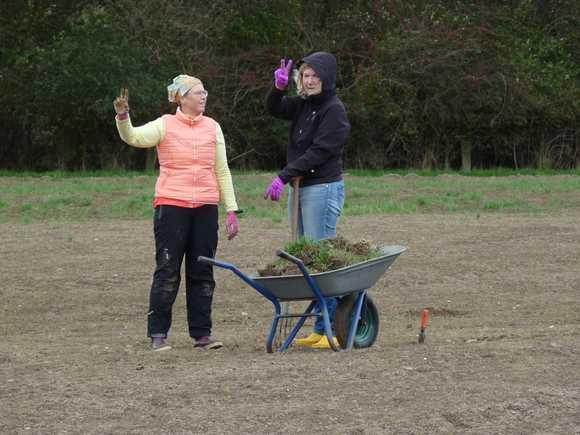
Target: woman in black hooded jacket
[[318, 132]]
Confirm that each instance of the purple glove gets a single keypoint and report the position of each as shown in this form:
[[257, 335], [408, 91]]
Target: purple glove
[[274, 191], [232, 225], [282, 73]]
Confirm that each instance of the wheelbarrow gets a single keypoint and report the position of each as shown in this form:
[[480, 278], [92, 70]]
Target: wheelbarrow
[[356, 318]]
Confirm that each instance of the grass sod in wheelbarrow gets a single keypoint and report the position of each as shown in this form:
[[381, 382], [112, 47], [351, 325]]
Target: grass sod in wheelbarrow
[[329, 255], [321, 256]]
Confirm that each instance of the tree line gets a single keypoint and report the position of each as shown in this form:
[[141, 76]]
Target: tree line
[[448, 84]]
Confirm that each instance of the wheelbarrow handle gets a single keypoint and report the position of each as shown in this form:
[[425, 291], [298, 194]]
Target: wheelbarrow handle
[[286, 256], [203, 259], [248, 280]]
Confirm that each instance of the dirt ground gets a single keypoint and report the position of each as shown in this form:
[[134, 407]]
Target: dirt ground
[[502, 353]]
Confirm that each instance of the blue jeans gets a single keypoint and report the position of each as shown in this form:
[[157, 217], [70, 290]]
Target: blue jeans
[[318, 213], [319, 210]]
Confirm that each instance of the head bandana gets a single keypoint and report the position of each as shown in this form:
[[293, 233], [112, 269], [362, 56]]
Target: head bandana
[[181, 84]]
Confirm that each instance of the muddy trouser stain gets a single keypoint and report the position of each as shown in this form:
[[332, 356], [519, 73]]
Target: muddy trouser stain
[[183, 233]]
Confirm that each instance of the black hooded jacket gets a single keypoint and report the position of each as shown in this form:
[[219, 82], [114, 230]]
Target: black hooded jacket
[[319, 128]]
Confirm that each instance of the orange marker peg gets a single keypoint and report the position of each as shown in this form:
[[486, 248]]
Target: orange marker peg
[[424, 321]]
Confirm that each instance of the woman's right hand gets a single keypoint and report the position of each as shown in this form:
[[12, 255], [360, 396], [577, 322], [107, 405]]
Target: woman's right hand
[[121, 103], [281, 74]]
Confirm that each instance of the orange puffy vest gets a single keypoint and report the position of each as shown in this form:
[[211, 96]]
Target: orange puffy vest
[[187, 160]]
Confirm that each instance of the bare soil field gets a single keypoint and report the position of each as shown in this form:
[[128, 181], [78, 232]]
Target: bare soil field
[[502, 353]]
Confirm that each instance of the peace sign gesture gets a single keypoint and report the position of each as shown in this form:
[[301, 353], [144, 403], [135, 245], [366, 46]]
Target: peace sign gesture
[[282, 73], [121, 103]]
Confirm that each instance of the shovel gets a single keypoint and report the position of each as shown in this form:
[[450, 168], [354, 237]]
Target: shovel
[[295, 207], [285, 325]]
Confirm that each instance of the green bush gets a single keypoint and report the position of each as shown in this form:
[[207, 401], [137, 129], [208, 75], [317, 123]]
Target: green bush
[[429, 85]]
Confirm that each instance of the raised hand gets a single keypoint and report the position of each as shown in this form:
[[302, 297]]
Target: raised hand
[[121, 103], [281, 74]]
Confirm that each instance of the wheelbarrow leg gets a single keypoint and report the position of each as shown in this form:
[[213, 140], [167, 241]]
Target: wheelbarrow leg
[[273, 328], [354, 324], [297, 327]]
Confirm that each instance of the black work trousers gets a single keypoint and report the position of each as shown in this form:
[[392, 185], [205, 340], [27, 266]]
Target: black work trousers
[[180, 232]]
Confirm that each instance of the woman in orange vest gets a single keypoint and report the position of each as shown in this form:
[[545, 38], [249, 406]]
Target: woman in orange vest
[[193, 177]]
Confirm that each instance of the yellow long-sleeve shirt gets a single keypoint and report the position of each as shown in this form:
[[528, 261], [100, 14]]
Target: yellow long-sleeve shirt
[[152, 133]]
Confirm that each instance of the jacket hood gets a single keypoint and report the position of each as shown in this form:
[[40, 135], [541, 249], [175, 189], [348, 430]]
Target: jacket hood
[[324, 64]]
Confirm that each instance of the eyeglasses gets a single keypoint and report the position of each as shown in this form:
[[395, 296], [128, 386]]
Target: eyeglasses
[[203, 93]]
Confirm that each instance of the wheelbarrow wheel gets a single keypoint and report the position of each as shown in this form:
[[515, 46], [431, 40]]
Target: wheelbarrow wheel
[[368, 325]]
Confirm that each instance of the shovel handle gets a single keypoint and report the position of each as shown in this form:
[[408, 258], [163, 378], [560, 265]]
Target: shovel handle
[[295, 207]]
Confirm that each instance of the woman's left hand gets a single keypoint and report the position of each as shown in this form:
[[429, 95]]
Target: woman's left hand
[[275, 189], [232, 225]]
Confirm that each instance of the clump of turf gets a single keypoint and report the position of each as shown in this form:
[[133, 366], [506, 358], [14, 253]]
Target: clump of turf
[[321, 256]]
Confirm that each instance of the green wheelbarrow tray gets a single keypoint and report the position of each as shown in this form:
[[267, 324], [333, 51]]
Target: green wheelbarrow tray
[[338, 282]]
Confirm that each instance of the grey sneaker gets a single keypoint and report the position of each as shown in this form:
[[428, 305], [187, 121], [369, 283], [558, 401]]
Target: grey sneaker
[[206, 342], [159, 343]]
